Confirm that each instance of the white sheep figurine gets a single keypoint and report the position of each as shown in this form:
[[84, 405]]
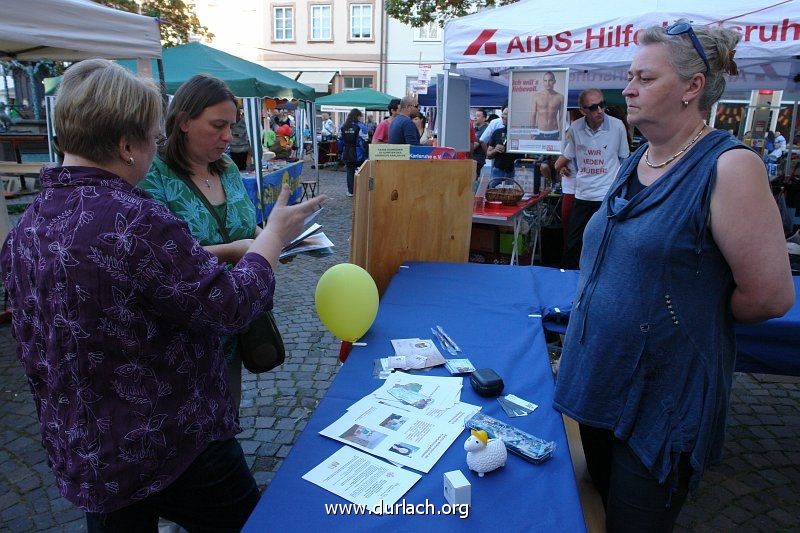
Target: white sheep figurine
[[484, 454]]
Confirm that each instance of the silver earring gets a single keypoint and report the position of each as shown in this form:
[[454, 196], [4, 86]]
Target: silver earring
[[130, 161], [685, 103]]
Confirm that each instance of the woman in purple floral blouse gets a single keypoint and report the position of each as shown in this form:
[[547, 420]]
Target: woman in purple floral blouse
[[118, 312]]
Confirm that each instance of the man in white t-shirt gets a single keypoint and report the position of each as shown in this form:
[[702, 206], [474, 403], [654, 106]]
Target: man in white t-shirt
[[567, 189], [597, 145], [327, 126]]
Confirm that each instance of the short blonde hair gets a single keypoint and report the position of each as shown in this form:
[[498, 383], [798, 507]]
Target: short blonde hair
[[98, 103]]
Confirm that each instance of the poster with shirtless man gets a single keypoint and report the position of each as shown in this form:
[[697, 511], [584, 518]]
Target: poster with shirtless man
[[537, 107]]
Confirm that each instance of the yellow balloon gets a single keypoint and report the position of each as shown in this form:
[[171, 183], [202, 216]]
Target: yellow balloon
[[347, 301]]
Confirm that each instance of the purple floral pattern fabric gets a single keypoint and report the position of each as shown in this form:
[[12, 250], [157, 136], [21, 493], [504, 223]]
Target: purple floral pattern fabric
[[118, 312]]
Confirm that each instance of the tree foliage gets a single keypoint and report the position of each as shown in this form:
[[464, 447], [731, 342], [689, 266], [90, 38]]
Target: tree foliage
[[418, 13], [178, 19]]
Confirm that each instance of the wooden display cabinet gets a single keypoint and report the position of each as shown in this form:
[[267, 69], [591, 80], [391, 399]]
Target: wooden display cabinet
[[411, 210]]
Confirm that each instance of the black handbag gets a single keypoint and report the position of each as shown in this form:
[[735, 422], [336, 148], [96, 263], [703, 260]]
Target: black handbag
[[260, 345]]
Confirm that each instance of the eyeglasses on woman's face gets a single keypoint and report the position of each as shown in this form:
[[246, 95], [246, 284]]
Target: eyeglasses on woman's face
[[679, 28]]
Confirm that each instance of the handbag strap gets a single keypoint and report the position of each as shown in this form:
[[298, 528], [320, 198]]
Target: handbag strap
[[223, 231]]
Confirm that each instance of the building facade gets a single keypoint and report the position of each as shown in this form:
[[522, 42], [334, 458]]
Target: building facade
[[408, 49], [331, 45]]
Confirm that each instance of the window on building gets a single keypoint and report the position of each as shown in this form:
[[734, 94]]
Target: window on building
[[429, 32], [357, 82], [321, 22], [361, 21], [283, 19]]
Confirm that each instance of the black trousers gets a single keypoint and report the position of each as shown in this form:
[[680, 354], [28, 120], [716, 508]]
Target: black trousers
[[216, 493], [582, 211], [634, 500], [351, 174]]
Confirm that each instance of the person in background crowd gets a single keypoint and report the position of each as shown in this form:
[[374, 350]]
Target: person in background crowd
[[494, 124], [240, 142], [402, 130], [567, 190], [352, 145], [118, 315], [5, 119], [780, 141], [199, 123], [597, 145], [421, 123], [13, 111], [371, 125], [688, 241], [381, 134], [275, 119], [480, 125], [503, 161], [269, 139], [774, 145], [327, 126]]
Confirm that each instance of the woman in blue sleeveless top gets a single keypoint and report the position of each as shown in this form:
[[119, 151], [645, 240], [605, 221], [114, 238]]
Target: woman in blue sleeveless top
[[687, 241]]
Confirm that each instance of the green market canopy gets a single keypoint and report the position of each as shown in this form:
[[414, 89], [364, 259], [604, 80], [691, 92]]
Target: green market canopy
[[369, 99]]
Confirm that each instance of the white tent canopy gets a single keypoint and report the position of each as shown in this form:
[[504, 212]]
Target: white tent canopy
[[597, 43], [71, 30]]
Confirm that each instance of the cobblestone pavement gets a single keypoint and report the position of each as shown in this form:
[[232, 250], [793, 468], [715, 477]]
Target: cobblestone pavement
[[756, 488]]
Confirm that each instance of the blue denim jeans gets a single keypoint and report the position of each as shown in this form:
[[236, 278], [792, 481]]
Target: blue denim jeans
[[216, 493], [634, 500], [497, 173]]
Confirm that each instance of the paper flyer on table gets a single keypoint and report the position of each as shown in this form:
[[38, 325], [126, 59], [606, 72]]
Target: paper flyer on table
[[418, 353], [401, 436], [458, 411], [428, 395], [361, 479]]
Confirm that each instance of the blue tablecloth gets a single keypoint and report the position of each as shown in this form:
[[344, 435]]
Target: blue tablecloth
[[486, 309], [271, 183], [771, 347]]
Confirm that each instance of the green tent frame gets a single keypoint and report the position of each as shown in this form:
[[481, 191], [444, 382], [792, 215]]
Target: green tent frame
[[369, 99], [245, 78]]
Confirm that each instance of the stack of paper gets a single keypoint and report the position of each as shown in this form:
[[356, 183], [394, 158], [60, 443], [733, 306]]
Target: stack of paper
[[410, 420], [311, 240], [415, 354]]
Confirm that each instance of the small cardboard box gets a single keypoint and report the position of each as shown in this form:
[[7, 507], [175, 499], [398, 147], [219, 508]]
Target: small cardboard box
[[483, 238], [457, 490]]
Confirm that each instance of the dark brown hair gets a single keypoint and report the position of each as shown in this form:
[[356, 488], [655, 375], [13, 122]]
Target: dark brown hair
[[191, 99]]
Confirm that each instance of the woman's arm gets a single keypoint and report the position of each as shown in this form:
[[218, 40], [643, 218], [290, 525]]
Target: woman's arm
[[230, 252], [747, 228]]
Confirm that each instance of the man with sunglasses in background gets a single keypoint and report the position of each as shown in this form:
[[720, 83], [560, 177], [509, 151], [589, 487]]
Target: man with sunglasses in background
[[402, 130], [596, 145]]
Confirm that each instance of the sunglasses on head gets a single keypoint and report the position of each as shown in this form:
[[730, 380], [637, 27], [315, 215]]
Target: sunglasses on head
[[679, 28], [594, 107]]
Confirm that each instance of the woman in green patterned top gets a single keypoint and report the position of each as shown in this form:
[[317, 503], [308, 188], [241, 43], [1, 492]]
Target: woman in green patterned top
[[198, 127]]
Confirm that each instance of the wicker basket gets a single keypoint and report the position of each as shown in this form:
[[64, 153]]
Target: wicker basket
[[506, 195]]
